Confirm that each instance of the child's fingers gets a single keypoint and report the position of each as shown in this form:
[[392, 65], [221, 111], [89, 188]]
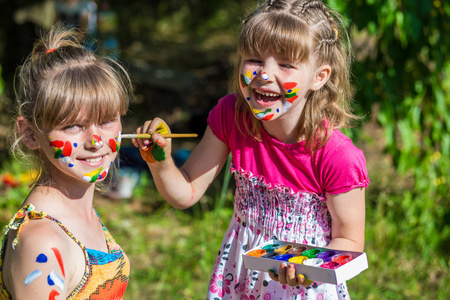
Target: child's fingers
[[282, 274], [291, 278], [303, 281], [273, 275]]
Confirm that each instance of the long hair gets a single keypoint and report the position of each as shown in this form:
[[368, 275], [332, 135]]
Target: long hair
[[296, 29]]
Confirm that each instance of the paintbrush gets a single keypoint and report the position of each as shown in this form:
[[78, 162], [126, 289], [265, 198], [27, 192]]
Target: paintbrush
[[165, 135]]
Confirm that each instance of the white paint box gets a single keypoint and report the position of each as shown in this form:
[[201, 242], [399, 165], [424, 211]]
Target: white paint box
[[341, 273]]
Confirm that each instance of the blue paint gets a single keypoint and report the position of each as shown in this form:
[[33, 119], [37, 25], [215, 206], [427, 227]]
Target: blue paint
[[50, 281], [32, 276], [248, 98], [42, 258], [278, 110], [289, 91], [75, 145], [254, 73], [70, 165]]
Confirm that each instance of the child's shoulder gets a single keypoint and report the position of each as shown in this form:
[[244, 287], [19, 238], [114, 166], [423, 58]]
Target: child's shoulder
[[340, 148]]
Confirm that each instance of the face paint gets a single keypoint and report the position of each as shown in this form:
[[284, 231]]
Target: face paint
[[245, 81], [263, 115], [95, 175], [115, 143], [291, 94], [63, 150], [264, 76], [97, 140], [42, 258], [32, 276], [54, 279]]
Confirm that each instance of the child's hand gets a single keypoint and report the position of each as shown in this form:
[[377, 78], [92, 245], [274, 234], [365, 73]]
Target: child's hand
[[157, 148], [286, 275]]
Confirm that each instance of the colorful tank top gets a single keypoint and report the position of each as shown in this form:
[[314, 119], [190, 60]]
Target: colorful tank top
[[106, 274]]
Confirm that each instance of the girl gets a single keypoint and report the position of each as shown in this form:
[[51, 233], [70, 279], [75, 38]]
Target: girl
[[298, 178], [70, 102]]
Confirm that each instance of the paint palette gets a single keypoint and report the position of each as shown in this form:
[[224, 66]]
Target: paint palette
[[315, 263]]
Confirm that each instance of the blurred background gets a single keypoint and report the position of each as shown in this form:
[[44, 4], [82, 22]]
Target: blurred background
[[180, 54]]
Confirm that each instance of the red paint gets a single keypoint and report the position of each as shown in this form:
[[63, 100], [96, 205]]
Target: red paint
[[268, 117], [290, 100], [60, 262], [67, 149], [53, 294], [97, 138], [57, 144], [112, 145], [289, 85]]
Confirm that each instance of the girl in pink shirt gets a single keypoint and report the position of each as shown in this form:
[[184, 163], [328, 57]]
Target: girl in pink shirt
[[298, 178]]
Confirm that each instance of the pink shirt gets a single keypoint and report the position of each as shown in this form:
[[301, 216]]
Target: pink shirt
[[336, 168]]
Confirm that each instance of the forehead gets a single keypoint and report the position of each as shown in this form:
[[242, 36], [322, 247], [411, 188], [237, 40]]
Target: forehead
[[280, 34]]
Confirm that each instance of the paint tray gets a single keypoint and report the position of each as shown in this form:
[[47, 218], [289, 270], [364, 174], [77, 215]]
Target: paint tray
[[341, 272]]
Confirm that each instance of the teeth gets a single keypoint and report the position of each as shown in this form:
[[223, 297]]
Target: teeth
[[93, 160], [268, 94]]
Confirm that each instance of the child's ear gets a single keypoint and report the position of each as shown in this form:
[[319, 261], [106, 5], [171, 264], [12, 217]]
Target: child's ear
[[322, 75], [27, 133]]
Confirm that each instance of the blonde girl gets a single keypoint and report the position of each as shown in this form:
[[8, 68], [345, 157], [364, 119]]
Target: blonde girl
[[298, 178], [70, 103]]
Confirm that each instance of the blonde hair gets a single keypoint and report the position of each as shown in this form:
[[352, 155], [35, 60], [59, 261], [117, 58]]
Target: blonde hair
[[296, 29], [59, 79]]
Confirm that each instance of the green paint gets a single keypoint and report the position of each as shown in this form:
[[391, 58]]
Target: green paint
[[58, 153], [158, 153]]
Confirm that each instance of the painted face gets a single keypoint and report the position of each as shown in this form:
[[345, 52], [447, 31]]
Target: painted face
[[80, 151], [274, 86]]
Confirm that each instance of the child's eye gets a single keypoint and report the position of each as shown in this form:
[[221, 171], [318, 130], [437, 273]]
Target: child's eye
[[72, 128], [287, 66], [253, 61], [110, 122]]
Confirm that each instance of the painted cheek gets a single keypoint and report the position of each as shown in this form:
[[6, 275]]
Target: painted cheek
[[115, 143], [246, 79], [63, 150], [291, 94]]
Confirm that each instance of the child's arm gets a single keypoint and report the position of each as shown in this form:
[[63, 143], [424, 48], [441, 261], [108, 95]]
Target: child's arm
[[42, 265], [348, 216], [183, 187]]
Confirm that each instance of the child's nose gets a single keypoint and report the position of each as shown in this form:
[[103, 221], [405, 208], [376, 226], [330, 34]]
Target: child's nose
[[264, 75], [96, 140], [93, 138]]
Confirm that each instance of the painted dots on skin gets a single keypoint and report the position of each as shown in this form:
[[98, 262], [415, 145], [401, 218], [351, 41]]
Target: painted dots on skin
[[42, 258]]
